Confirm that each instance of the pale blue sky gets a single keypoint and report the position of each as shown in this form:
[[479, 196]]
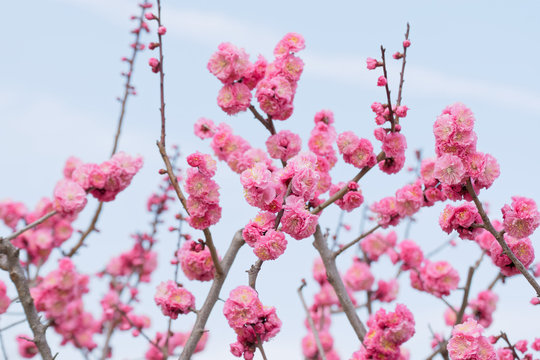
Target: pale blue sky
[[60, 77]]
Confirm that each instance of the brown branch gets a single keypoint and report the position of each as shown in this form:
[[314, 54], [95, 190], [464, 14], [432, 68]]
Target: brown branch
[[16, 274], [345, 247], [335, 280], [464, 301], [213, 295], [253, 272], [261, 119], [500, 239], [31, 225], [387, 88], [338, 195], [310, 321], [91, 227], [510, 346], [494, 282], [402, 73]]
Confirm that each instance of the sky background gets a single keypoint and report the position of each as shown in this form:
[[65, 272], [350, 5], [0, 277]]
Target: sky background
[[60, 74]]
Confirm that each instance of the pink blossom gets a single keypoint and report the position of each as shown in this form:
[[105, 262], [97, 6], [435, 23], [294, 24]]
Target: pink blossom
[[275, 96], [162, 30], [394, 144], [204, 128], [437, 278], [283, 145], [319, 271], [381, 81], [173, 299], [228, 63], [234, 98], [409, 199], [401, 111], [386, 290], [467, 343], [291, 42], [522, 218], [27, 349], [69, 197], [449, 169], [242, 307], [12, 212], [386, 212], [296, 220], [309, 345], [196, 262], [358, 277], [255, 73], [410, 254], [271, 245], [406, 43], [522, 249], [4, 299], [377, 244], [372, 63]]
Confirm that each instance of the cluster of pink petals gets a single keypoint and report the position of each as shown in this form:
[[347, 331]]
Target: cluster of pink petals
[[173, 299], [259, 233], [467, 343], [4, 299], [357, 152], [106, 180], [387, 331], [376, 244], [203, 200], [59, 295], [297, 221], [394, 146], [457, 158], [522, 218], [41, 240], [196, 261], [437, 278], [171, 342], [387, 291], [353, 197], [261, 188], [204, 128], [386, 212], [136, 260], [522, 249], [27, 348], [69, 197], [409, 199], [411, 254], [283, 145], [251, 321], [461, 218], [311, 351], [11, 212], [483, 307], [358, 277]]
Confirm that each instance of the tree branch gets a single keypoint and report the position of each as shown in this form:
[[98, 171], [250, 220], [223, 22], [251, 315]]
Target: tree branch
[[213, 295], [310, 320]]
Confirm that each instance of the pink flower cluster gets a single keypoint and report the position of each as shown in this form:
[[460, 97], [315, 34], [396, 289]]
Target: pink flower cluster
[[283, 145], [522, 218], [59, 295], [320, 143], [483, 307], [357, 152], [103, 181], [522, 249], [461, 218], [352, 199], [394, 146], [387, 331], [203, 200], [137, 260], [196, 261], [27, 349], [4, 299], [276, 91], [204, 128], [11, 212], [251, 321], [467, 343], [275, 82], [259, 233], [437, 278], [172, 341], [377, 244], [358, 277], [173, 299], [310, 350], [457, 158]]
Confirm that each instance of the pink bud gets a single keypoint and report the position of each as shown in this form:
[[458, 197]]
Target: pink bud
[[406, 43], [381, 81], [162, 30], [153, 62], [535, 301], [149, 16], [397, 55]]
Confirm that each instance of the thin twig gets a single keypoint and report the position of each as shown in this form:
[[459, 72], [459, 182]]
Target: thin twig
[[387, 88], [12, 325], [31, 225], [310, 321], [339, 194], [402, 73], [345, 247]]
